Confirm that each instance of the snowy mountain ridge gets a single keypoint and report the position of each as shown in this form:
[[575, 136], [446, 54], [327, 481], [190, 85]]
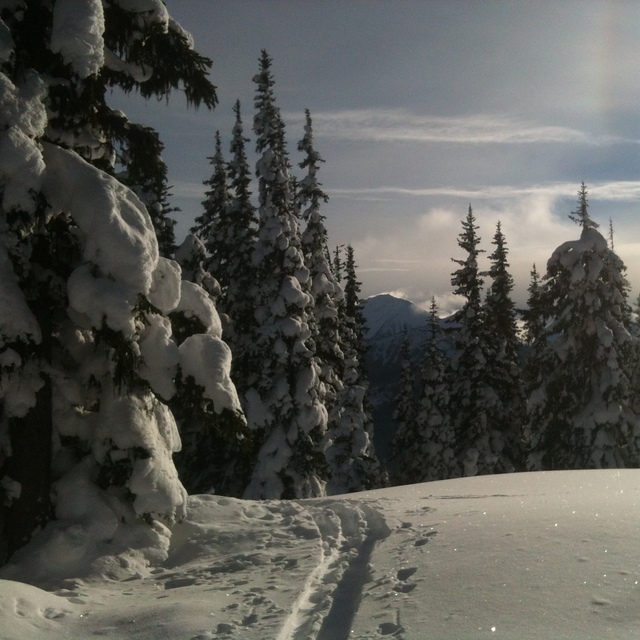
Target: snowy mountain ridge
[[387, 315]]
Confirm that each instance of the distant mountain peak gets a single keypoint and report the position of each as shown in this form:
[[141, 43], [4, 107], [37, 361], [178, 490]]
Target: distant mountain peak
[[387, 315]]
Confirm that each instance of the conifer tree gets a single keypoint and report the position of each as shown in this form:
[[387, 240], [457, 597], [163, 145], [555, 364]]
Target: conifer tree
[[284, 405], [353, 306], [580, 414], [211, 225], [325, 291], [502, 370], [535, 314], [240, 238], [471, 395], [427, 450], [87, 356], [350, 451]]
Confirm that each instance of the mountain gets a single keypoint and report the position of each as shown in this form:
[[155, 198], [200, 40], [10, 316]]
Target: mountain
[[388, 318]]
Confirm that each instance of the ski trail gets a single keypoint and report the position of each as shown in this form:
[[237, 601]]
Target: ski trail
[[330, 597]]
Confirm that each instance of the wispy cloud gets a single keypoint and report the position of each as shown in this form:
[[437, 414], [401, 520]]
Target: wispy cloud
[[620, 191], [401, 125]]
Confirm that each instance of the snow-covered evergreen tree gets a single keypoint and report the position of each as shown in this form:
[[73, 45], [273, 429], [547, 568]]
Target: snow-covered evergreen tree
[[503, 370], [350, 451], [472, 397], [284, 401], [241, 224], [579, 410], [425, 450], [211, 225], [86, 354], [534, 316], [327, 294]]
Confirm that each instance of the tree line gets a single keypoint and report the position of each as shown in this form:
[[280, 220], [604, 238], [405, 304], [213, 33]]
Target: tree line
[[562, 393]]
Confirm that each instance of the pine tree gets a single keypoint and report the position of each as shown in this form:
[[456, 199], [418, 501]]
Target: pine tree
[[240, 237], [325, 291], [426, 451], [350, 451], [503, 371], [534, 316], [211, 225], [216, 442], [86, 354], [284, 405], [580, 415], [471, 395], [353, 306]]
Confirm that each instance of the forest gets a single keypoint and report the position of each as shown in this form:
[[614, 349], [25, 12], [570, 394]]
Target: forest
[[135, 371]]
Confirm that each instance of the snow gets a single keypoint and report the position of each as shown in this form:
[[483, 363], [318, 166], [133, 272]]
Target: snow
[[16, 319], [115, 228], [158, 356], [141, 421], [154, 11], [102, 300], [195, 302], [21, 164], [532, 555], [77, 35], [166, 285], [23, 106], [207, 360]]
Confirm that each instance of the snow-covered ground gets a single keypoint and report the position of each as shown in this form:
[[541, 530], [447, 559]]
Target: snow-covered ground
[[526, 556]]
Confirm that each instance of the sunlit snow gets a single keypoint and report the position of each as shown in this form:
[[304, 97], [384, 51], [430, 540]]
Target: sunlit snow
[[538, 555]]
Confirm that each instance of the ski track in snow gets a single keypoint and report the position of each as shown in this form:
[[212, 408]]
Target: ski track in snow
[[331, 543]]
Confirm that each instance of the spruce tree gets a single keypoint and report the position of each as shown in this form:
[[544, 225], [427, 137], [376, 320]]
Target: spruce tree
[[325, 291], [471, 395], [503, 371], [580, 413], [211, 225], [284, 405], [350, 450], [534, 316], [239, 278], [86, 351]]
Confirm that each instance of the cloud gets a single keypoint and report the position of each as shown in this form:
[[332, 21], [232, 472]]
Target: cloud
[[392, 125], [427, 244], [188, 190], [620, 191]]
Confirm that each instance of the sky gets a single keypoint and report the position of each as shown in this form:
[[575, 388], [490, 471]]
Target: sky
[[423, 108]]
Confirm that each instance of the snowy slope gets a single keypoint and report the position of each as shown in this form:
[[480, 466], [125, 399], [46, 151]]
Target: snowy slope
[[546, 555], [386, 315]]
